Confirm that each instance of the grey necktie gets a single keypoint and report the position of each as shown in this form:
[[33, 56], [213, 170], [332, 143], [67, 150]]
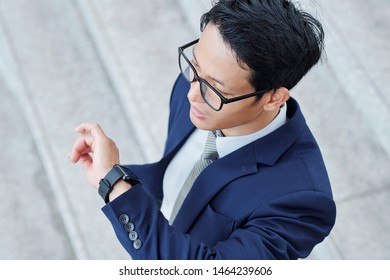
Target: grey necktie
[[208, 156]]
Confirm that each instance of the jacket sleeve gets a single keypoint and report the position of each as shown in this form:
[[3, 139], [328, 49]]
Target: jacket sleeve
[[286, 228]]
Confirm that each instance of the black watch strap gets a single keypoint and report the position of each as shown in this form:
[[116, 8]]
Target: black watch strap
[[113, 176]]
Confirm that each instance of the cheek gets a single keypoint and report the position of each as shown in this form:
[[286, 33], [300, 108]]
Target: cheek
[[231, 115], [226, 118], [237, 109], [235, 114]]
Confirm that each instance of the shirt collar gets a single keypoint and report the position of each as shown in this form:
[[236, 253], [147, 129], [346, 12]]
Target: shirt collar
[[228, 144]]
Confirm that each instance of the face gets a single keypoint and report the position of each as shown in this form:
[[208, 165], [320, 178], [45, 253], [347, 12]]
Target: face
[[215, 62]]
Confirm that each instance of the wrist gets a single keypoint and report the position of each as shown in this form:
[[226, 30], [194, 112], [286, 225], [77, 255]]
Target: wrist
[[118, 189], [117, 177]]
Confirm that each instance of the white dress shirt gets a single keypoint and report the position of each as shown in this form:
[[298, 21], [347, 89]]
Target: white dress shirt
[[182, 164]]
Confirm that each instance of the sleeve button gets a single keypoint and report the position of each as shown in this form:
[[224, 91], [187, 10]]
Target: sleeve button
[[133, 235], [124, 219], [137, 244], [128, 227]]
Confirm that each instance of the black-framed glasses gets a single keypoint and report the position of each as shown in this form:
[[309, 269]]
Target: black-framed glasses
[[210, 95]]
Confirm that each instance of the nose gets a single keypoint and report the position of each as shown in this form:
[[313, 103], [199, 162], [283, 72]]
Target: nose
[[194, 94]]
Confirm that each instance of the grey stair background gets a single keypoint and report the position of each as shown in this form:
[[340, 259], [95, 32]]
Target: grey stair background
[[114, 62]]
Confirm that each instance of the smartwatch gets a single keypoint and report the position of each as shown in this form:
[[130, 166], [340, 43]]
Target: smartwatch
[[113, 176]]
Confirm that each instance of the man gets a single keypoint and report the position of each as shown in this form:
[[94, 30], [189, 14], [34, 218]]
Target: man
[[261, 190]]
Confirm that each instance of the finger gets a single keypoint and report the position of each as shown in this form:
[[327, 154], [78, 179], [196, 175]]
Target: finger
[[92, 128], [81, 128], [92, 132], [96, 131], [86, 161], [85, 127], [80, 148]]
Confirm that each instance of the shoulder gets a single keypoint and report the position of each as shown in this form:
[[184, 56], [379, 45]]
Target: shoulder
[[179, 91], [178, 105], [290, 158]]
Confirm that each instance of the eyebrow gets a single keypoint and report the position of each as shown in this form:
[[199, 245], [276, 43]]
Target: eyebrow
[[196, 61]]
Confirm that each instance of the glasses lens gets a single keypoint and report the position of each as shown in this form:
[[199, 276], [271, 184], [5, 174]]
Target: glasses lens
[[210, 96], [185, 67]]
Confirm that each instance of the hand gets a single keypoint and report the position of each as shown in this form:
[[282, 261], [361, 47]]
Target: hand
[[95, 151]]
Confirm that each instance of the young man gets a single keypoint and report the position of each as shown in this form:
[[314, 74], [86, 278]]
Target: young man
[[261, 190]]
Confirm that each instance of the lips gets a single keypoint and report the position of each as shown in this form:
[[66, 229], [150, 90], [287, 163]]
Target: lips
[[197, 113]]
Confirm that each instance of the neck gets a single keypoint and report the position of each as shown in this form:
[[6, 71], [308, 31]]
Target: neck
[[263, 119]]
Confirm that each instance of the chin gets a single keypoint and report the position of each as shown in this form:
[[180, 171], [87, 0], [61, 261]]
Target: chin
[[201, 124]]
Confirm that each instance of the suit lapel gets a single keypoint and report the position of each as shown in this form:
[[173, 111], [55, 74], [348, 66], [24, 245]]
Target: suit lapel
[[211, 181]]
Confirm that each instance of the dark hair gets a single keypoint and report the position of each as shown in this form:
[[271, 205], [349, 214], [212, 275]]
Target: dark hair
[[277, 41]]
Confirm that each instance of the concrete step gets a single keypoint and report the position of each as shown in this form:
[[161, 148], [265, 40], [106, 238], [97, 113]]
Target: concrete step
[[66, 62]]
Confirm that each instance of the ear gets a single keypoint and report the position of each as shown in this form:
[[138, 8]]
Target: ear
[[277, 99]]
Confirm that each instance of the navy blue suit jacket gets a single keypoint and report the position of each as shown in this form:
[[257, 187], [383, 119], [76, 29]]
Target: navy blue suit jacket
[[270, 199]]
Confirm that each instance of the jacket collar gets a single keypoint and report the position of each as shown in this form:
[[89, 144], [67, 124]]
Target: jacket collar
[[270, 147]]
